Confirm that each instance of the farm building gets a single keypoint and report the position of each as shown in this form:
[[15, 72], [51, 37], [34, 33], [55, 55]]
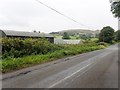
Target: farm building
[[20, 34], [64, 41]]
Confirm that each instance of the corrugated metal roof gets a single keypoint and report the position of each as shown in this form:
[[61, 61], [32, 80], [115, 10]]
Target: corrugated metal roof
[[28, 34]]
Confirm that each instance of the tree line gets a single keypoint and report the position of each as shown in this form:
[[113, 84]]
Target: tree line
[[109, 35]]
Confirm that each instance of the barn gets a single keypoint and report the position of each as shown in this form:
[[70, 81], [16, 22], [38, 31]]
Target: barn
[[23, 35]]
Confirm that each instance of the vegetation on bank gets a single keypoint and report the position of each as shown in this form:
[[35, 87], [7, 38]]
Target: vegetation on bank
[[16, 47], [56, 51], [117, 36], [21, 53]]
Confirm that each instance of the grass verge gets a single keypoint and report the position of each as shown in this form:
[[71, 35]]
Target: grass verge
[[11, 64]]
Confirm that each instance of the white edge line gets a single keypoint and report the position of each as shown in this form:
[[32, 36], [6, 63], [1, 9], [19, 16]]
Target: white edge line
[[68, 76]]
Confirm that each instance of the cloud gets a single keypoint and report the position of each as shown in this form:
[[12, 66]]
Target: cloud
[[30, 14], [19, 12], [13, 21]]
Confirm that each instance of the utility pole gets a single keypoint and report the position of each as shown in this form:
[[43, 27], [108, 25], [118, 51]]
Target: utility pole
[[118, 23]]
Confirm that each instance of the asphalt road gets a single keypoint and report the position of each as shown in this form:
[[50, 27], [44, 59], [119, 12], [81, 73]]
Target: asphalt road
[[97, 69]]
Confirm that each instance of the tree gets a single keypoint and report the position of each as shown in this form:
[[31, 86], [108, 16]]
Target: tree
[[34, 31], [85, 36], [65, 36], [115, 8], [97, 35], [106, 34], [117, 36]]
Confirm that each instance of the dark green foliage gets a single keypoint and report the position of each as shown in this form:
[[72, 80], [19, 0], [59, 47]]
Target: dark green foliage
[[11, 64], [97, 35], [65, 35], [115, 8], [85, 36], [117, 36], [106, 35], [15, 47]]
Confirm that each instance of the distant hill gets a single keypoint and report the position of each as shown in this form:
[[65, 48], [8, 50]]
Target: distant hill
[[76, 31]]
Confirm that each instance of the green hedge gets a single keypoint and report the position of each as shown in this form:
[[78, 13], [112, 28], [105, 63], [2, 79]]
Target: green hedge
[[11, 64], [16, 47], [19, 53]]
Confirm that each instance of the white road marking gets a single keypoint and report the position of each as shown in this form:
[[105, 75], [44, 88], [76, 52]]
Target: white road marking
[[68, 76]]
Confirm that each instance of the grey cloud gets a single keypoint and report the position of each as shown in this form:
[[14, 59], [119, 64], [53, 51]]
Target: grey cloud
[[30, 14]]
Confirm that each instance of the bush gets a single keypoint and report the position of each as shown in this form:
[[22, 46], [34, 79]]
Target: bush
[[16, 47], [11, 63], [103, 44]]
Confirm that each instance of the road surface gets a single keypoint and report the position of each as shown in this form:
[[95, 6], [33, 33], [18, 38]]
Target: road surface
[[97, 69]]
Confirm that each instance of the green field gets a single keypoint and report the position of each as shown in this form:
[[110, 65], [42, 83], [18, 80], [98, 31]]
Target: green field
[[71, 37], [94, 39]]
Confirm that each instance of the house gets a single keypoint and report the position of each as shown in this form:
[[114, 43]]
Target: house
[[20, 34]]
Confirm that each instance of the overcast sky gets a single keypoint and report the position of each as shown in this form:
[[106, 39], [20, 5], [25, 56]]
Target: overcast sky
[[29, 15]]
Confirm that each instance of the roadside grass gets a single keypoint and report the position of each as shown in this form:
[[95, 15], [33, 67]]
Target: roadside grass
[[12, 64], [94, 39]]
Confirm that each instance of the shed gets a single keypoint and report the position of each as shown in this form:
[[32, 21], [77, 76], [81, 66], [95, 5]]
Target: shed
[[20, 34]]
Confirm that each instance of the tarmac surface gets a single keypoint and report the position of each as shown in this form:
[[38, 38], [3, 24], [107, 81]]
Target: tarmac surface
[[97, 69]]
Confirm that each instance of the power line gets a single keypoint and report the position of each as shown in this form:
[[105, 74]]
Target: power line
[[62, 14]]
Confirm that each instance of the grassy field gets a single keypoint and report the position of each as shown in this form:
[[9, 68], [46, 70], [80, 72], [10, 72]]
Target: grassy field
[[58, 36], [94, 39], [74, 37], [11, 64], [71, 37]]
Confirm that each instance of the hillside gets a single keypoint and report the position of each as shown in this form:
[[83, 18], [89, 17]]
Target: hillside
[[76, 31]]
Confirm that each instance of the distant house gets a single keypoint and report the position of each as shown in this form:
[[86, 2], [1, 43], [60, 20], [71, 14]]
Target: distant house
[[20, 34]]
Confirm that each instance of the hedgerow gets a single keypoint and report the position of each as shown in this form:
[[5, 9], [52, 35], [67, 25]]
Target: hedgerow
[[18, 53], [16, 47]]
